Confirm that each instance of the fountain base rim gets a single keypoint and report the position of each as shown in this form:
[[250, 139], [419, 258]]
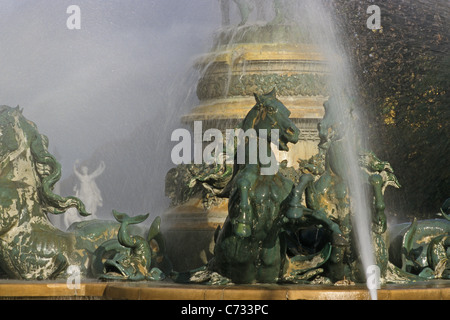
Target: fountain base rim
[[13, 289]]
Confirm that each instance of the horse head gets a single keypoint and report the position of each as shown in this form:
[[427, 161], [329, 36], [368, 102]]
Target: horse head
[[8, 131], [14, 170], [28, 172], [268, 114], [19, 137]]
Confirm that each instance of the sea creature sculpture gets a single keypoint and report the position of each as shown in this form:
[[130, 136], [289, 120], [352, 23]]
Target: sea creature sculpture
[[135, 258], [422, 253], [422, 248], [445, 209], [330, 191], [31, 247]]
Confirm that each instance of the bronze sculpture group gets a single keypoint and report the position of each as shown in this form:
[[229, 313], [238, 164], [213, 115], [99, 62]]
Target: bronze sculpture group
[[264, 239]]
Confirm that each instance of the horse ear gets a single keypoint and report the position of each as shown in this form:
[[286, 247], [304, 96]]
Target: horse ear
[[273, 93], [18, 109], [257, 98]]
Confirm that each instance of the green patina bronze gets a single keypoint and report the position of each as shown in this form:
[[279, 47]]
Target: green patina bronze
[[265, 238], [135, 257], [252, 245], [422, 248], [30, 246], [271, 217]]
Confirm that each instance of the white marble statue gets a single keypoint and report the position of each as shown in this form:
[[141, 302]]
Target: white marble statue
[[88, 192]]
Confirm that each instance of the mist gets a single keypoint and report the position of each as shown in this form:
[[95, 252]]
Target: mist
[[111, 91]]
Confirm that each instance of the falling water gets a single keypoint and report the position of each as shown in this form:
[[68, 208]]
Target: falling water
[[75, 84], [320, 22], [111, 91]]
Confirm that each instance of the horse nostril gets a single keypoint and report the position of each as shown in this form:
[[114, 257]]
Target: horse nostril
[[290, 131]]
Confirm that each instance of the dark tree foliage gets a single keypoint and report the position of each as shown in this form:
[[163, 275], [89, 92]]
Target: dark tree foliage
[[403, 76]]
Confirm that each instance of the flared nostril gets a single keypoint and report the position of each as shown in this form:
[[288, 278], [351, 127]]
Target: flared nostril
[[290, 131]]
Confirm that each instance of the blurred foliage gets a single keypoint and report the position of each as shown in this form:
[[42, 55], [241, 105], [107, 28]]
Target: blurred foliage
[[403, 76]]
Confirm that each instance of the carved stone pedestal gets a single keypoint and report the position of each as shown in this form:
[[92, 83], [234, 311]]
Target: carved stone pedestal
[[189, 232]]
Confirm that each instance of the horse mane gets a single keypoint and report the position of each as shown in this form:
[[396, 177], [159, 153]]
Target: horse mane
[[47, 167], [261, 100]]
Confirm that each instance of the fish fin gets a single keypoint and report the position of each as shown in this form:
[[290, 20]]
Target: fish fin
[[155, 229], [123, 217], [120, 217]]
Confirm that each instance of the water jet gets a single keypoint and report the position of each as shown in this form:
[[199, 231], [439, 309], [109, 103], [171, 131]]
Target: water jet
[[316, 228]]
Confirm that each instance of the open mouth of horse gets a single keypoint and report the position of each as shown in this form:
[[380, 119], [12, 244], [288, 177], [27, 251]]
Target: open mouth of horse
[[290, 135]]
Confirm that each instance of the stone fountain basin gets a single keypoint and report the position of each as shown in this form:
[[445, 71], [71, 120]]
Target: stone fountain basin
[[15, 289]]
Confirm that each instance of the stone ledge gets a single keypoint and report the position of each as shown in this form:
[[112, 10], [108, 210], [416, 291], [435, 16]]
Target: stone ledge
[[438, 290], [49, 289]]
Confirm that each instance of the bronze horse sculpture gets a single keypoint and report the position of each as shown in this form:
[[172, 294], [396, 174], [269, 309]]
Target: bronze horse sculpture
[[264, 208], [251, 247]]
